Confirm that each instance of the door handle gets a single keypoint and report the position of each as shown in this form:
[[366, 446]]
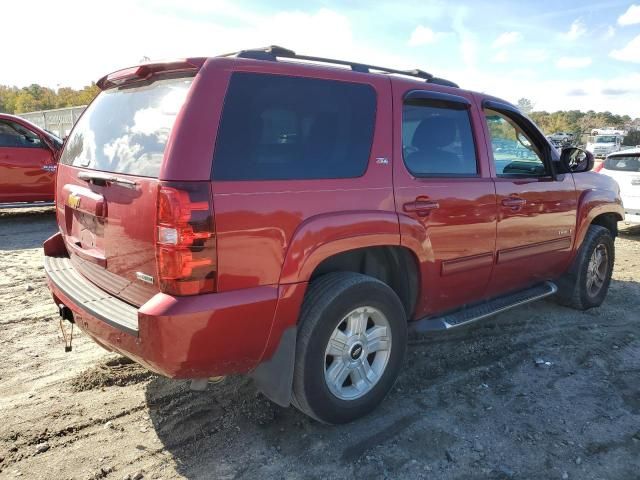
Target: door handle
[[421, 207], [514, 202]]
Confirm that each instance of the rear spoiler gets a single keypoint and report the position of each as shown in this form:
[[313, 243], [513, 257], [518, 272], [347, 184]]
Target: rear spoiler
[[147, 70]]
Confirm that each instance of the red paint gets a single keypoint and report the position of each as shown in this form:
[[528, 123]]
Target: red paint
[[487, 236], [27, 174]]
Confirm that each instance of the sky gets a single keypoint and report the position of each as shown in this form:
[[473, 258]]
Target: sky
[[580, 55]]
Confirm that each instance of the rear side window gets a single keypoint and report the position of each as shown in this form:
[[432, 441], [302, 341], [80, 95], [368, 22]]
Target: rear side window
[[286, 128], [437, 141], [623, 163], [125, 130]]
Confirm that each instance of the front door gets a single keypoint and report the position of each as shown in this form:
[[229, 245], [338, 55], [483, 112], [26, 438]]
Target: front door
[[537, 209], [445, 196], [27, 169]]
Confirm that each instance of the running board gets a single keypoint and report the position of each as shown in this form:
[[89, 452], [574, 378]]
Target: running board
[[27, 205], [483, 310]]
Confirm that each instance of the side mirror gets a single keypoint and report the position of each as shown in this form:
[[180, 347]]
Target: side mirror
[[576, 160]]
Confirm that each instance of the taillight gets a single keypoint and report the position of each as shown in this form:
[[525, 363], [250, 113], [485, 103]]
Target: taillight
[[185, 239], [598, 167]]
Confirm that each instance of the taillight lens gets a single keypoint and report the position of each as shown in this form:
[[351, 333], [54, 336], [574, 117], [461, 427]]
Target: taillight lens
[[598, 167], [185, 238]]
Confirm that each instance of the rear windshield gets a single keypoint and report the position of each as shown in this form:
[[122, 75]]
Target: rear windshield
[[126, 130], [625, 164]]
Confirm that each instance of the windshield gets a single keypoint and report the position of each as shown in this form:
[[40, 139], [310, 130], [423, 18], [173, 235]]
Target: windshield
[[606, 139], [125, 130]]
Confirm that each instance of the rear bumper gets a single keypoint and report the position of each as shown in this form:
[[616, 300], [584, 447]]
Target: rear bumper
[[179, 337]]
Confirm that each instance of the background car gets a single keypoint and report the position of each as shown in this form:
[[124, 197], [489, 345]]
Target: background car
[[28, 161], [624, 168]]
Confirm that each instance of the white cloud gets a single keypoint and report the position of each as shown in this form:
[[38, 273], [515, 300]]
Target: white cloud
[[507, 38], [501, 56], [630, 17], [554, 93], [422, 36], [468, 43], [576, 30], [610, 33], [191, 34], [534, 55], [629, 53], [573, 62]]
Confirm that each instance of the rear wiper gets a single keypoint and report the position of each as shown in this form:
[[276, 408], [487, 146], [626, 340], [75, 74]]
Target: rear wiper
[[103, 178]]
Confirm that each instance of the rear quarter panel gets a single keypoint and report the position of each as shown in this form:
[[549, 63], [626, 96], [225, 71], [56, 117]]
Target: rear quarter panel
[[267, 230]]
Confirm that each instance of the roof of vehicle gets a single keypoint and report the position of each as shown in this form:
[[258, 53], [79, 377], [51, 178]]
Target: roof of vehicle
[[275, 53], [623, 153]]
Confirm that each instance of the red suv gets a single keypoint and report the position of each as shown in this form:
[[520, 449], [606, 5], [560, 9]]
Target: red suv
[[291, 217], [28, 159]]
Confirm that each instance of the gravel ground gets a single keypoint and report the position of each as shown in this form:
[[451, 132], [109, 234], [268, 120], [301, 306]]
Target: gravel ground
[[538, 392]]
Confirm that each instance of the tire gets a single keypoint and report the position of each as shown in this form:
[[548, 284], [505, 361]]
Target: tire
[[576, 289], [370, 316]]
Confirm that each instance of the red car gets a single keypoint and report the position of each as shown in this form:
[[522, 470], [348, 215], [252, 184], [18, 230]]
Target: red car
[[291, 220], [28, 161]]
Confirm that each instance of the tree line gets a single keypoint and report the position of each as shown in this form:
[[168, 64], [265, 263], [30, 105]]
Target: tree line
[[580, 123], [36, 97]]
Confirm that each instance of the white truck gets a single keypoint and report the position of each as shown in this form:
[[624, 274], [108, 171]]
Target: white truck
[[602, 141]]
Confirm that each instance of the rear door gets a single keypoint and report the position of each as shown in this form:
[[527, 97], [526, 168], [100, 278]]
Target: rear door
[[27, 170], [536, 209], [445, 196], [108, 183]]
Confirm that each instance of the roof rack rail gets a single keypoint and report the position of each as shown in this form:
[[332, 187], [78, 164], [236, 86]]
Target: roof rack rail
[[272, 52]]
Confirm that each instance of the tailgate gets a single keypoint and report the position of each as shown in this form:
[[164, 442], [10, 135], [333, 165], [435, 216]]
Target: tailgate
[[107, 186]]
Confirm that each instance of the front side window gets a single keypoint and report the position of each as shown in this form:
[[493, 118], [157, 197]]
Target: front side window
[[514, 153], [16, 136], [436, 140], [277, 127]]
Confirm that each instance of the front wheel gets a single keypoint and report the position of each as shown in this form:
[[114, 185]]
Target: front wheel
[[351, 343], [587, 283]]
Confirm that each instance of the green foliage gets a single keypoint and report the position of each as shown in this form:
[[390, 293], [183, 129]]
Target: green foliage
[[525, 105], [632, 139], [580, 123], [36, 97]]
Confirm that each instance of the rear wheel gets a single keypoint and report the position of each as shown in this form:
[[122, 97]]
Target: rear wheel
[[351, 343], [586, 284]]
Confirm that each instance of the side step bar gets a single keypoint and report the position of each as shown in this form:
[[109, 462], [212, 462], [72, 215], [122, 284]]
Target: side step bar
[[483, 310], [27, 205]]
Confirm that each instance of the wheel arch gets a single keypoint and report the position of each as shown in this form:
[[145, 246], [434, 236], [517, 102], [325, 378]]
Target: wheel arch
[[597, 207], [362, 242]]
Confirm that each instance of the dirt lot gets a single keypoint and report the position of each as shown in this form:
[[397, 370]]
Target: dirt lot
[[470, 404]]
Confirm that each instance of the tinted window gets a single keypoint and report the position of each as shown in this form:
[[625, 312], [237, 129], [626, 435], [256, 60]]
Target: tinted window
[[437, 140], [277, 127], [15, 135], [126, 130], [514, 153], [623, 163]]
